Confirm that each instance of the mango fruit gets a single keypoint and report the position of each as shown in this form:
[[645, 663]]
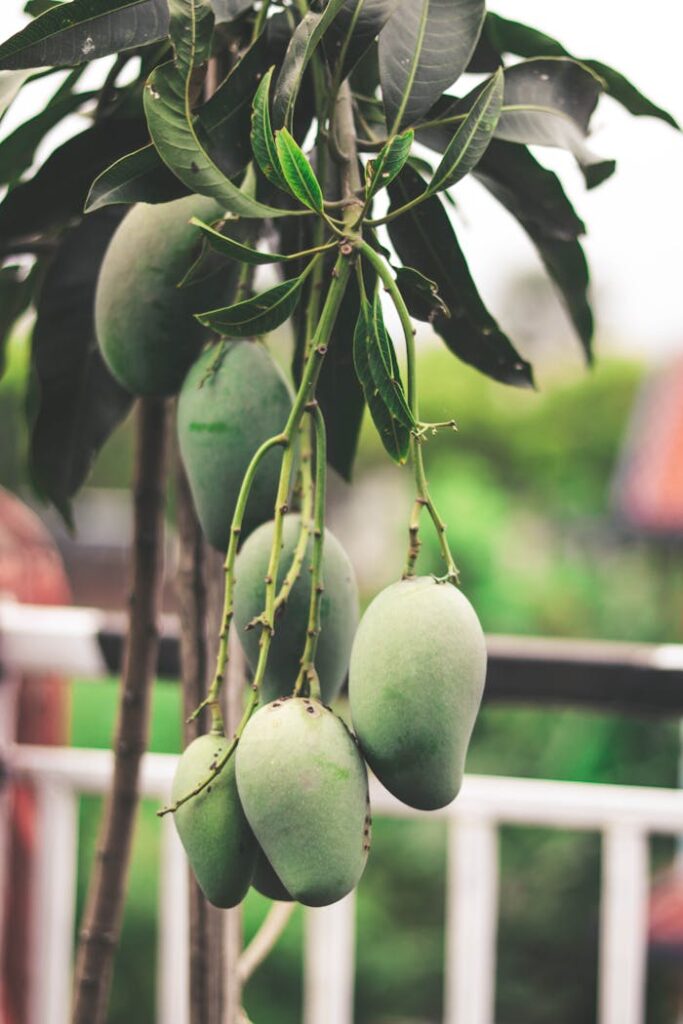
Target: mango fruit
[[338, 611], [212, 826], [416, 680], [144, 323], [233, 399], [266, 881], [303, 785]]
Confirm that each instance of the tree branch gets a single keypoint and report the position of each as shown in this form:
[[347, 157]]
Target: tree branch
[[104, 906]]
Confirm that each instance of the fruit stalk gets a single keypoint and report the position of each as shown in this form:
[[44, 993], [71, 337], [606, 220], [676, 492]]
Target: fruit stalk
[[104, 907], [423, 499]]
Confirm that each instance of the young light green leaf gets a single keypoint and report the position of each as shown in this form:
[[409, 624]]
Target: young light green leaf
[[302, 46], [239, 251], [395, 436], [84, 30], [262, 141], [170, 117], [470, 141], [381, 171], [297, 171], [258, 315]]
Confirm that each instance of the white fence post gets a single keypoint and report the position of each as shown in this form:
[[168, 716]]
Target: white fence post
[[623, 925], [329, 963], [53, 903], [173, 980], [471, 919]]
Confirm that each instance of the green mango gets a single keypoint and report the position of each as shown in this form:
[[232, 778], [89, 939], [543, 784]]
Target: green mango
[[338, 611], [266, 881], [233, 399], [303, 785], [416, 679], [144, 323], [212, 826]]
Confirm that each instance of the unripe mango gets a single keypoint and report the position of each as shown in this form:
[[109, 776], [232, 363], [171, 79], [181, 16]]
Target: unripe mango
[[303, 785], [266, 881], [416, 679], [212, 826], [338, 610], [233, 399], [145, 325]]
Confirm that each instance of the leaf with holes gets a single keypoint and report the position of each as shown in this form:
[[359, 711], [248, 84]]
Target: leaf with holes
[[424, 238], [262, 139], [84, 30], [381, 171], [258, 315], [170, 117], [395, 436], [472, 137], [302, 46], [421, 295], [423, 49], [297, 171]]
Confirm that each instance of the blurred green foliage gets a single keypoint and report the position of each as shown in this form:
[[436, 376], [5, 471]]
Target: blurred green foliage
[[524, 488]]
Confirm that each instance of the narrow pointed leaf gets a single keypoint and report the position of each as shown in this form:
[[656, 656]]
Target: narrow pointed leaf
[[423, 49], [424, 238], [262, 139], [471, 138], [238, 250], [513, 37], [385, 370], [302, 46], [139, 177], [381, 171], [83, 30], [421, 295], [353, 32], [17, 150], [76, 402], [297, 171], [171, 120], [395, 436], [259, 315]]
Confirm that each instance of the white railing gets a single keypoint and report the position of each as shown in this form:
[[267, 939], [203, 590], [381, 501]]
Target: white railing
[[625, 816]]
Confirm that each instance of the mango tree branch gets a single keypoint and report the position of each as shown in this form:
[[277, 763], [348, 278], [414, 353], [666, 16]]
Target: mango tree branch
[[104, 906]]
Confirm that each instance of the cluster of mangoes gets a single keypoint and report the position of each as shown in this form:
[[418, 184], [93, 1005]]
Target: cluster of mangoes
[[288, 812]]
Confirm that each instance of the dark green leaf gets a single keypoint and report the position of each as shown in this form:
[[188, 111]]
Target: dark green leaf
[[339, 393], [76, 401], [139, 177], [472, 136], [262, 140], [424, 238], [394, 435], [423, 48], [385, 370], [421, 295], [84, 30], [18, 149], [512, 37], [536, 198], [237, 250], [16, 290], [258, 315], [353, 32], [56, 193], [550, 103], [301, 48], [381, 171], [170, 117], [297, 171]]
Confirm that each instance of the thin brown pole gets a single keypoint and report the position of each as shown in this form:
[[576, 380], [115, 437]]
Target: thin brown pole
[[106, 893], [205, 930]]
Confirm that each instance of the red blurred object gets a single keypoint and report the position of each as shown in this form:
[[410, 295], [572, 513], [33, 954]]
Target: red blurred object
[[31, 571], [648, 490], [666, 915]]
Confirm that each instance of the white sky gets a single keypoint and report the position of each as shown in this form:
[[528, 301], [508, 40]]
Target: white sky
[[635, 220]]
